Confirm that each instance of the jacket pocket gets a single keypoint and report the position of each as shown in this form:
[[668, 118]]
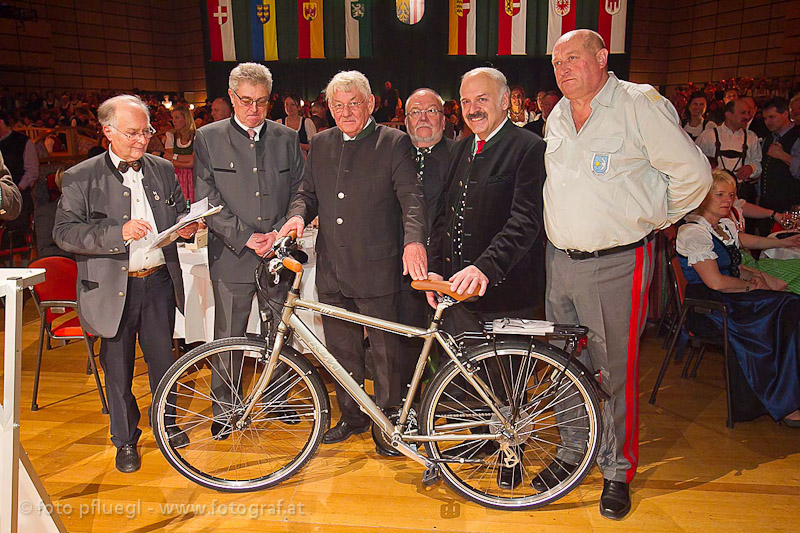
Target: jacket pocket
[[601, 154], [229, 170]]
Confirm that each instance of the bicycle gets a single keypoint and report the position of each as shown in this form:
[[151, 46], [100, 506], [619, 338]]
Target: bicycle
[[491, 406]]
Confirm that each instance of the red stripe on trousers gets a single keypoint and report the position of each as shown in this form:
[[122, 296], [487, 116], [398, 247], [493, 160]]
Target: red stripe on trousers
[[214, 31], [462, 35], [503, 31], [303, 33], [630, 448], [604, 24]]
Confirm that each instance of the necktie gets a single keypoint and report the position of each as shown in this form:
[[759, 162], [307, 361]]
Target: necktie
[[479, 146], [252, 134], [125, 165], [421, 153]]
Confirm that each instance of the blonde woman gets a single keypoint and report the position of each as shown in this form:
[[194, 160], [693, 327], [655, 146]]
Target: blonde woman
[[179, 148]]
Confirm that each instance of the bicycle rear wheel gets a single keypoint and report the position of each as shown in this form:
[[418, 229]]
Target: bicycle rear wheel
[[199, 403], [552, 414]]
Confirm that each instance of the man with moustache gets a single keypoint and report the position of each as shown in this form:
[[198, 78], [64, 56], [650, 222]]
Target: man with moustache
[[487, 233], [619, 167], [425, 124], [359, 179], [252, 167]]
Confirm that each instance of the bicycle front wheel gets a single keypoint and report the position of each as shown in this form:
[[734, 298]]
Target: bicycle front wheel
[[198, 407], [552, 413]]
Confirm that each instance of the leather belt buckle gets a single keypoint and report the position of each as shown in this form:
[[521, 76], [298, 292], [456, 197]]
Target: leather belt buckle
[[577, 255]]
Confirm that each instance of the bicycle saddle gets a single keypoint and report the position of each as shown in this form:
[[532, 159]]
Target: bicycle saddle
[[444, 288]]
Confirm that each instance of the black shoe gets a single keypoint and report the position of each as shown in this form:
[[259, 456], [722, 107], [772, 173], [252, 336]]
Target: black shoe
[[509, 478], [177, 437], [552, 475], [341, 431], [127, 460], [615, 502], [220, 431]]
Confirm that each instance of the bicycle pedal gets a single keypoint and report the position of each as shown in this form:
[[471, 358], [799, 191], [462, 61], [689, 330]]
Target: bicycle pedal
[[431, 476]]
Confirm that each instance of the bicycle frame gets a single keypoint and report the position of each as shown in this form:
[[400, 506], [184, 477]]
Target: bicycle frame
[[291, 323]]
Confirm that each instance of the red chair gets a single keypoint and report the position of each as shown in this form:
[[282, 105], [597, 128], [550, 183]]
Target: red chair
[[54, 298]]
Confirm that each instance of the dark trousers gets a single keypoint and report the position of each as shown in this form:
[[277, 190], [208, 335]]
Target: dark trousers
[[346, 342], [149, 313], [233, 302]]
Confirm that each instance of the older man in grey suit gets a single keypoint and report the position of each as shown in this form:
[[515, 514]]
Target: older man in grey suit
[[360, 180], [111, 208], [252, 167]]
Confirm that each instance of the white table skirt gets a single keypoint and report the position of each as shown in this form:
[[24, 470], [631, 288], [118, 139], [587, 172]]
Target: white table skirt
[[198, 324]]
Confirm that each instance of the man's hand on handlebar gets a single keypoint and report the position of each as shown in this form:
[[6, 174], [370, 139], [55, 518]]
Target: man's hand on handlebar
[[295, 223]]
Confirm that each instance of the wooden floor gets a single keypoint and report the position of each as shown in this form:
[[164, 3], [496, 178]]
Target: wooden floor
[[695, 474]]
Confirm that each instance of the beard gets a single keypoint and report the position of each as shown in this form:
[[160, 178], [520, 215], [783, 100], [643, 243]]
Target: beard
[[417, 139]]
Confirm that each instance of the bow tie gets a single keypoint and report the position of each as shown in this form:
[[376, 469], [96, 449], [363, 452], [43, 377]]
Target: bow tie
[[124, 166]]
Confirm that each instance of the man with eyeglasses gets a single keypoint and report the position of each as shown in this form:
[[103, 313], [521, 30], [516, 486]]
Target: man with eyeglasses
[[360, 180], [252, 167], [425, 123], [111, 209]]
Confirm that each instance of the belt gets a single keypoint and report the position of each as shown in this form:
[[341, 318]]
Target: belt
[[146, 272], [578, 255]]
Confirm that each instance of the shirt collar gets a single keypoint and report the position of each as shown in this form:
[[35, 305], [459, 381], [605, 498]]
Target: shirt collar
[[245, 128], [489, 137], [368, 127], [785, 130], [607, 92]]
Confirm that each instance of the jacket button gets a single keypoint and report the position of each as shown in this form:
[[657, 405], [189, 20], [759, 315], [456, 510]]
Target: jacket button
[[339, 220], [255, 170], [252, 145], [124, 269], [125, 217], [340, 195], [258, 218], [258, 193], [116, 250], [122, 294], [231, 164], [126, 194], [446, 259]]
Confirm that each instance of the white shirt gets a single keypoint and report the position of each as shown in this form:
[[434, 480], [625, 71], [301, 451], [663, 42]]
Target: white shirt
[[732, 140], [631, 169], [257, 129], [138, 258], [498, 128], [695, 242], [346, 137]]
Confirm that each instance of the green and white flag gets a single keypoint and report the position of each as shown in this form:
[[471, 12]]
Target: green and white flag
[[358, 28]]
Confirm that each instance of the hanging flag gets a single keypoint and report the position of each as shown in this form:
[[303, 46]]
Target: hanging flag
[[611, 24], [264, 32], [560, 20], [310, 33], [220, 27], [410, 11], [462, 28], [512, 22], [358, 28]]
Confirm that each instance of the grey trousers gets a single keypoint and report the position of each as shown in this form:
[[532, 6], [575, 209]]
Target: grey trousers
[[609, 296]]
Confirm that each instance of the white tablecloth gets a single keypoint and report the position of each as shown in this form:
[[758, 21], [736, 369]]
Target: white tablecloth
[[782, 253], [198, 324]]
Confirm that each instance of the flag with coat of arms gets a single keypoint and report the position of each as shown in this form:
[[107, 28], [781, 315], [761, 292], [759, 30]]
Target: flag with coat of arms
[[515, 18], [358, 28], [264, 30], [310, 29], [462, 25], [608, 17], [220, 28]]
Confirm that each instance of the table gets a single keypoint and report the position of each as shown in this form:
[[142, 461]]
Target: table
[[782, 253], [198, 323]]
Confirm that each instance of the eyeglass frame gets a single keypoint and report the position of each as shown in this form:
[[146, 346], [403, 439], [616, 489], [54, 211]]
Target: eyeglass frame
[[352, 106], [260, 102], [417, 113], [133, 136]]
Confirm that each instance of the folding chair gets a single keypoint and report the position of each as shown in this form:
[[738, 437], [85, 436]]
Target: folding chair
[[54, 298]]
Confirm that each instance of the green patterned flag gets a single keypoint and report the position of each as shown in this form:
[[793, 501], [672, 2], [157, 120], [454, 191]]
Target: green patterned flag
[[358, 28]]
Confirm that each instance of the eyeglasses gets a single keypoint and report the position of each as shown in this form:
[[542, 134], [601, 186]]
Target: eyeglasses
[[417, 113], [352, 106], [248, 102], [132, 136]]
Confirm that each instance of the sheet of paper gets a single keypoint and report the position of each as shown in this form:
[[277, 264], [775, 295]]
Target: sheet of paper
[[197, 210], [521, 326]]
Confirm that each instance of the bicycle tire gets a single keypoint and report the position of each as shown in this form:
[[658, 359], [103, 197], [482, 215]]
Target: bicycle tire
[[281, 435], [471, 468]]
